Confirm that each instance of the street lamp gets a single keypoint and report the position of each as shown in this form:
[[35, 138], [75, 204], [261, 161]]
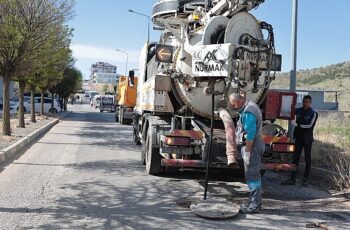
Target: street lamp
[[148, 22], [127, 58]]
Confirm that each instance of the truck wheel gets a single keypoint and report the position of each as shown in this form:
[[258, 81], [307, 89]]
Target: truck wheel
[[121, 117], [153, 158], [143, 153], [116, 117], [135, 137]]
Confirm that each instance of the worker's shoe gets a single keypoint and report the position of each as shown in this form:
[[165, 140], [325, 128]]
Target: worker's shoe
[[245, 209], [288, 182], [244, 205]]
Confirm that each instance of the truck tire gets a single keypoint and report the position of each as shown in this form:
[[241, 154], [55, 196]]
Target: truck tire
[[116, 117], [143, 138], [143, 153], [135, 136], [153, 158], [121, 116]]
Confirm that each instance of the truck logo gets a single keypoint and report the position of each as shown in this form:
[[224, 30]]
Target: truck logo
[[210, 62], [252, 56], [201, 67], [211, 55]]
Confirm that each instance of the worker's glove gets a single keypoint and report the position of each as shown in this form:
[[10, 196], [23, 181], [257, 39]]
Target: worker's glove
[[245, 156]]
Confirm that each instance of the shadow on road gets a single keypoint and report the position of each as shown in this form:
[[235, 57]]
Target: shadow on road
[[118, 193]]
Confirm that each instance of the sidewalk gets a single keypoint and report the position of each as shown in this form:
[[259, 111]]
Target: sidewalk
[[23, 138]]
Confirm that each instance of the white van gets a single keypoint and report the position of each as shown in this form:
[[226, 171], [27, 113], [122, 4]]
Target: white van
[[107, 103], [47, 105]]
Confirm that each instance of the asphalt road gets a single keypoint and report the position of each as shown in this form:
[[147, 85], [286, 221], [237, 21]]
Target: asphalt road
[[86, 174]]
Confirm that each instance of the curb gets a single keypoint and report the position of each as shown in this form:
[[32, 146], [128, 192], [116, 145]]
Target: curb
[[20, 146]]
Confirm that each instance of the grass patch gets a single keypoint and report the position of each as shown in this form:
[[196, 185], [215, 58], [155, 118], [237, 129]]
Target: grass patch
[[332, 136]]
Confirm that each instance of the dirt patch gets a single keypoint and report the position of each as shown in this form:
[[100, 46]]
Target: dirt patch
[[18, 133]]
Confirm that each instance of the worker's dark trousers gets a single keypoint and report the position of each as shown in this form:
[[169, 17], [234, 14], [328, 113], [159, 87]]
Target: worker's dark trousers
[[253, 176], [300, 145]]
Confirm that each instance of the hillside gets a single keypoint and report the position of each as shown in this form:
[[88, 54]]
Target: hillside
[[332, 77]]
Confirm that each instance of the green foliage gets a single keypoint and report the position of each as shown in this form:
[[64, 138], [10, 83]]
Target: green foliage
[[333, 77], [105, 88], [34, 44], [69, 84]]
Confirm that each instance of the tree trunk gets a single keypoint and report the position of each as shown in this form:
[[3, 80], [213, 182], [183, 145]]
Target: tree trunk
[[52, 103], [32, 104], [65, 104], [42, 103], [6, 125], [60, 99], [22, 86]]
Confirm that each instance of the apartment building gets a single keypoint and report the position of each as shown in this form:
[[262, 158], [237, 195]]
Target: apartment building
[[102, 72]]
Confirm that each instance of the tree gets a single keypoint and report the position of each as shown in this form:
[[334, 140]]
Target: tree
[[105, 88], [25, 27], [70, 83]]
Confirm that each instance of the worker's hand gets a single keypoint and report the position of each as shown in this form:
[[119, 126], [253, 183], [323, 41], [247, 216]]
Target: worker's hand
[[245, 155]]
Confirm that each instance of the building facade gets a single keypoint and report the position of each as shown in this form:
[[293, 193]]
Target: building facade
[[105, 73], [321, 99]]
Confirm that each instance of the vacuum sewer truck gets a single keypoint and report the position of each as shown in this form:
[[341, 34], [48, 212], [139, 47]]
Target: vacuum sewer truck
[[207, 50]]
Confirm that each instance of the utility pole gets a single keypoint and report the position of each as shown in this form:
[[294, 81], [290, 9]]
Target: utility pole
[[293, 71]]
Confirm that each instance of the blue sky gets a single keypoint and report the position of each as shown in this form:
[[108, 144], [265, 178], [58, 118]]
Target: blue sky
[[101, 26]]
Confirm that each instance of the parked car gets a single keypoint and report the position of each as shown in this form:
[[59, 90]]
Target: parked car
[[47, 105], [14, 107]]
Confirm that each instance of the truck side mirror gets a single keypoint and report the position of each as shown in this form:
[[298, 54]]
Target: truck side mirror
[[131, 77]]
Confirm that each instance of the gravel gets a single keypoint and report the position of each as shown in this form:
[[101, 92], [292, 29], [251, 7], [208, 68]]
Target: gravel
[[18, 133]]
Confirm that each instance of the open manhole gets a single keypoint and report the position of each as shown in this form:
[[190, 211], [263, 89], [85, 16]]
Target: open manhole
[[186, 202]]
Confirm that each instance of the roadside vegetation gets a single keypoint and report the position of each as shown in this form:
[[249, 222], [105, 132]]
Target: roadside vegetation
[[34, 51], [331, 148]]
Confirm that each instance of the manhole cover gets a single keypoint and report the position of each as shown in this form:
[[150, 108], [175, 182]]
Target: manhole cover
[[215, 209]]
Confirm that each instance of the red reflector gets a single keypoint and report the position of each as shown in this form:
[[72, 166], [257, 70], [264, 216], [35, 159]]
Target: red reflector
[[179, 141], [283, 147]]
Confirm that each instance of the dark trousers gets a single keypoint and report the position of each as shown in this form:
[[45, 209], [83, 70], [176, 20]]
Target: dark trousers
[[300, 145]]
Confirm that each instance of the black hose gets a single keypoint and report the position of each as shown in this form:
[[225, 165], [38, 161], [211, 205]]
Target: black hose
[[209, 147]]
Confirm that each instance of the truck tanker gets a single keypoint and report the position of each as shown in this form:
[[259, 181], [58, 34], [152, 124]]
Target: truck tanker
[[207, 50]]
